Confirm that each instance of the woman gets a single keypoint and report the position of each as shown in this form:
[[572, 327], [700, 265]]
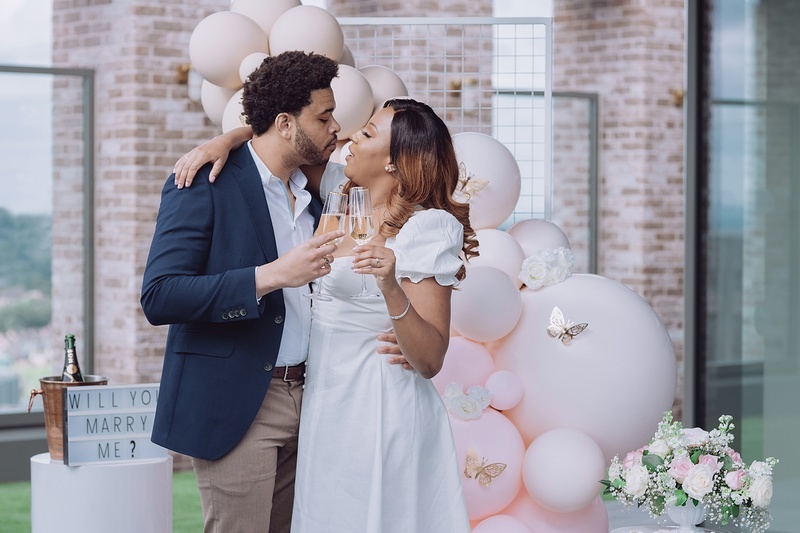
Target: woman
[[376, 453]]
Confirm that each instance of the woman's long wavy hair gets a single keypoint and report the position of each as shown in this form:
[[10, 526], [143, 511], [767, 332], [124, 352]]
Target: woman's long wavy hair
[[422, 152]]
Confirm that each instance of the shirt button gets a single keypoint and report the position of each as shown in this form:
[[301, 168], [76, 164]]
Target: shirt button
[[268, 367], [278, 319]]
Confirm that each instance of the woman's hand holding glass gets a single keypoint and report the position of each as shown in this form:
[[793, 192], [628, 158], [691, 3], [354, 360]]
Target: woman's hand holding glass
[[362, 230]]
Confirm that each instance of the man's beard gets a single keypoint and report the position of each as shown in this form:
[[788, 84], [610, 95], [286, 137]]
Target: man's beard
[[307, 150]]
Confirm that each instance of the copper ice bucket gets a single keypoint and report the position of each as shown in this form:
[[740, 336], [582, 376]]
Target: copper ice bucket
[[51, 392]]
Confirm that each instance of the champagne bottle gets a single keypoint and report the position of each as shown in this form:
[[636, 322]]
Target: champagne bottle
[[72, 371]]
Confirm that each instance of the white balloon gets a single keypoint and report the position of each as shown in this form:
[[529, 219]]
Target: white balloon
[[233, 116], [214, 99], [535, 235], [495, 178], [347, 57], [264, 12], [499, 249], [501, 523], [561, 470], [353, 100], [613, 381], [307, 28], [250, 63], [218, 44], [486, 306], [385, 84]]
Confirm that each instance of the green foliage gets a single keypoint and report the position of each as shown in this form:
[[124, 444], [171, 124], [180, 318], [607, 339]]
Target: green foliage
[[651, 461], [25, 251], [28, 312]]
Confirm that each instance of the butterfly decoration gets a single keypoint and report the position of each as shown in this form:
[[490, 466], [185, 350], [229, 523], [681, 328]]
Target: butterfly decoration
[[560, 328], [478, 469], [468, 184]]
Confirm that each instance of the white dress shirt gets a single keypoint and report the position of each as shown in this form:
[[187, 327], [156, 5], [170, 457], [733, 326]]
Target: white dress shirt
[[290, 230]]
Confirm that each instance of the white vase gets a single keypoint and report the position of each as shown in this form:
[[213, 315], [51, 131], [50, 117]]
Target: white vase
[[687, 516]]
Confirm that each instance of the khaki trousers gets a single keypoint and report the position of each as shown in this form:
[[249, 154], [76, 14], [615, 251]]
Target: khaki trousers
[[251, 488]]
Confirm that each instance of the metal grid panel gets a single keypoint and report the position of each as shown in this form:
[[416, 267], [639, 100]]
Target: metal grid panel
[[487, 75]]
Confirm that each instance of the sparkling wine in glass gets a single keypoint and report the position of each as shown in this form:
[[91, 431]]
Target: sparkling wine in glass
[[361, 229], [334, 216]]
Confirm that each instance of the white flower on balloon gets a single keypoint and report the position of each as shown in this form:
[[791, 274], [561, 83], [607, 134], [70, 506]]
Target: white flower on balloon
[[469, 405], [548, 267]]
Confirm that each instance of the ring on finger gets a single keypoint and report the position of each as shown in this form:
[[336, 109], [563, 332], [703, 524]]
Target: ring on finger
[[376, 262], [325, 262]]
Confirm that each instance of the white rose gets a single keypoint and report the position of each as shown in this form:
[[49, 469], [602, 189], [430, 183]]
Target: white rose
[[534, 272], [699, 481], [659, 447], [466, 408], [636, 481], [761, 491], [695, 436]]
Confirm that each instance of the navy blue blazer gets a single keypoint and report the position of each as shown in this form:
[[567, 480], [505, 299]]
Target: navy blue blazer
[[200, 278]]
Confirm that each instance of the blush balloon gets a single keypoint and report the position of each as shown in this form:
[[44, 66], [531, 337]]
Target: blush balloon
[[562, 469], [309, 29], [506, 389], [486, 306], [500, 523], [220, 42], [214, 100], [385, 84], [250, 63], [499, 249], [487, 160], [466, 363], [353, 100], [494, 439], [264, 13], [591, 519], [535, 235], [233, 115], [347, 57], [613, 381]]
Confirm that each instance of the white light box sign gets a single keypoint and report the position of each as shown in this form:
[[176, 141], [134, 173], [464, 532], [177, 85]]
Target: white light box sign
[[110, 424]]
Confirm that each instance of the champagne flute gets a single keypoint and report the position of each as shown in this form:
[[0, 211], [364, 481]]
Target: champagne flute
[[334, 215], [361, 229]]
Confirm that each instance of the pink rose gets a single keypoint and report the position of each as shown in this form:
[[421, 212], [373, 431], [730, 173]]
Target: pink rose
[[735, 479], [712, 461], [680, 467], [633, 458], [735, 457]]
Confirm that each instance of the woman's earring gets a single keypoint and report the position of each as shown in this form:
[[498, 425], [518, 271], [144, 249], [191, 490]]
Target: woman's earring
[[389, 168]]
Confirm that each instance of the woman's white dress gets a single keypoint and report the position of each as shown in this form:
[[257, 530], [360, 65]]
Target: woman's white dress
[[376, 452]]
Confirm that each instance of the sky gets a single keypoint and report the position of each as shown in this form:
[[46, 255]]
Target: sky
[[25, 124]]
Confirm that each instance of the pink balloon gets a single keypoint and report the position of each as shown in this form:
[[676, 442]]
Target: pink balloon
[[613, 381], [591, 519], [562, 470], [506, 389], [486, 306], [493, 438], [499, 249], [500, 523], [466, 362], [535, 235]]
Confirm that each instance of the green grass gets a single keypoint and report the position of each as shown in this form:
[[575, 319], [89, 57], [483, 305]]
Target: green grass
[[187, 516]]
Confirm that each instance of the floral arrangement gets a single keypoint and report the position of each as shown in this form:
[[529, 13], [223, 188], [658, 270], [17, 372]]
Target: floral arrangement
[[469, 405], [691, 467], [548, 267]]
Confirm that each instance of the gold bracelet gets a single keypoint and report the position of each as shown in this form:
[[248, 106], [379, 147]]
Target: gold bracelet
[[401, 315]]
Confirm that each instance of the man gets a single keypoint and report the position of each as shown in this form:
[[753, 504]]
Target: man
[[228, 267]]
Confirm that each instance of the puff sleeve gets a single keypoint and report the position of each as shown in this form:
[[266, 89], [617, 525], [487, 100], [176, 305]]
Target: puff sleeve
[[428, 245]]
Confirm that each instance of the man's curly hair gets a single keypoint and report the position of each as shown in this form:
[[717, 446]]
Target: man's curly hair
[[283, 84]]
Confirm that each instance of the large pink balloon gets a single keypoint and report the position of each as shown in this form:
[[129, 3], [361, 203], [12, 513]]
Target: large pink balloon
[[499, 249], [493, 438], [264, 13], [307, 28], [385, 84], [591, 519], [562, 470], [613, 381], [489, 163], [535, 235], [466, 362], [353, 100], [501, 523], [220, 42], [214, 99], [486, 306]]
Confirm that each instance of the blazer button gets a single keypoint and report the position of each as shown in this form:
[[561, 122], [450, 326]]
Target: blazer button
[[244, 312], [268, 367], [278, 319], [236, 313], [224, 316]]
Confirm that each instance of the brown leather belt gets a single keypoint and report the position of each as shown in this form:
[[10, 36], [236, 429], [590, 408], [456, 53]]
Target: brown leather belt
[[290, 373]]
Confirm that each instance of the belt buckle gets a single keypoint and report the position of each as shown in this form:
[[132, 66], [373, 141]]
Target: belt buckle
[[286, 373]]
